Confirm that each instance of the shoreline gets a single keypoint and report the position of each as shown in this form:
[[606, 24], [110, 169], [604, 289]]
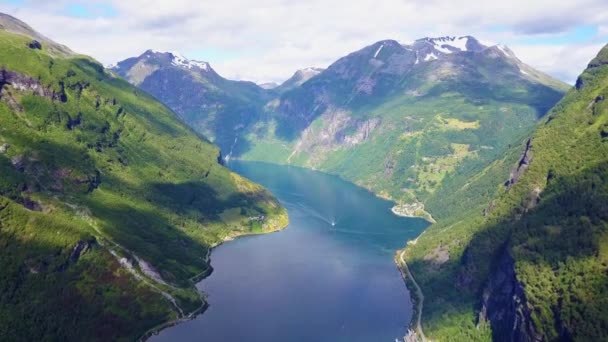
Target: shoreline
[[415, 334], [412, 335], [200, 277], [425, 215]]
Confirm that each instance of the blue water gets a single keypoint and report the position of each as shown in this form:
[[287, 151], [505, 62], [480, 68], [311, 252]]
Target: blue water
[[313, 281]]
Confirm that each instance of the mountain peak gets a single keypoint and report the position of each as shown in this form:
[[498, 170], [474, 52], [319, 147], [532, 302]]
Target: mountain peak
[[176, 59], [137, 69], [299, 77], [181, 61], [11, 24], [451, 44], [309, 71]]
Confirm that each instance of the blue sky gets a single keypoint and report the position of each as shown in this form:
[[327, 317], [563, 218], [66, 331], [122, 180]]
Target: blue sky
[[267, 40], [90, 11]]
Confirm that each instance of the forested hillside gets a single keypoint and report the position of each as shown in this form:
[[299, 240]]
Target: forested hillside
[[109, 204], [529, 262]]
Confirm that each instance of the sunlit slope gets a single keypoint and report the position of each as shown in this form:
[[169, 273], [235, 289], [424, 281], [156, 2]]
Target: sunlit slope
[[109, 204]]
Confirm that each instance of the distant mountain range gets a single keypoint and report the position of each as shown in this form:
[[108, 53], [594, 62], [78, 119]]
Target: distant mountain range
[[401, 120]]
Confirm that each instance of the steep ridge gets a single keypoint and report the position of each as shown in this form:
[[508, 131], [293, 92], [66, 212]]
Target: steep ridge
[[528, 263], [109, 204], [11, 24], [218, 108]]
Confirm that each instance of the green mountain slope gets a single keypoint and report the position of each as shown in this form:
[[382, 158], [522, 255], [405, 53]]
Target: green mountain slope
[[528, 263], [410, 122], [109, 204]]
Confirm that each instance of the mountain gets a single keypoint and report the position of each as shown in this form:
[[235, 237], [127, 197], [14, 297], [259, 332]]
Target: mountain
[[409, 122], [109, 204], [298, 78], [441, 126], [216, 107], [525, 260], [14, 25], [427, 68]]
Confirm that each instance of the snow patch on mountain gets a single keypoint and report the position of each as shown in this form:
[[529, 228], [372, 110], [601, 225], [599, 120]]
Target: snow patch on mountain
[[378, 50], [430, 57], [181, 61], [502, 49], [448, 45], [307, 73], [460, 43]]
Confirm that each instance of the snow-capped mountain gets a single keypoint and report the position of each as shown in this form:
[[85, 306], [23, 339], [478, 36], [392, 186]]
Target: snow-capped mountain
[[179, 60], [196, 92], [231, 112], [137, 69], [425, 67]]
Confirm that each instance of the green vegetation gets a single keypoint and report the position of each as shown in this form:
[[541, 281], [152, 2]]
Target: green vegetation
[[109, 204], [391, 123], [520, 238], [549, 229], [414, 136], [422, 149]]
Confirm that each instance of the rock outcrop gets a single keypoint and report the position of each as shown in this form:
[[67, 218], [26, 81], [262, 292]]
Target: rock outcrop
[[523, 163], [21, 82], [34, 44], [504, 304], [81, 248]]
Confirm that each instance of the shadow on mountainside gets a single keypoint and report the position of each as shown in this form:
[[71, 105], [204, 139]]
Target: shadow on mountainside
[[558, 241], [539, 97], [48, 292]]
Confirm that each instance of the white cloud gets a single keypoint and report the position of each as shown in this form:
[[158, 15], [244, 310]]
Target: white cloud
[[273, 38]]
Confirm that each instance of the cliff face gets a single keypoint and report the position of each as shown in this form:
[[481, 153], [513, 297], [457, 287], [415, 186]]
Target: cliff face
[[505, 306]]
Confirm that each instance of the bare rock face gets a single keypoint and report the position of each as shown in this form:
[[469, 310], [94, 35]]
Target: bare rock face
[[21, 82], [524, 161], [339, 129], [4, 148], [81, 248], [504, 304], [364, 128]]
